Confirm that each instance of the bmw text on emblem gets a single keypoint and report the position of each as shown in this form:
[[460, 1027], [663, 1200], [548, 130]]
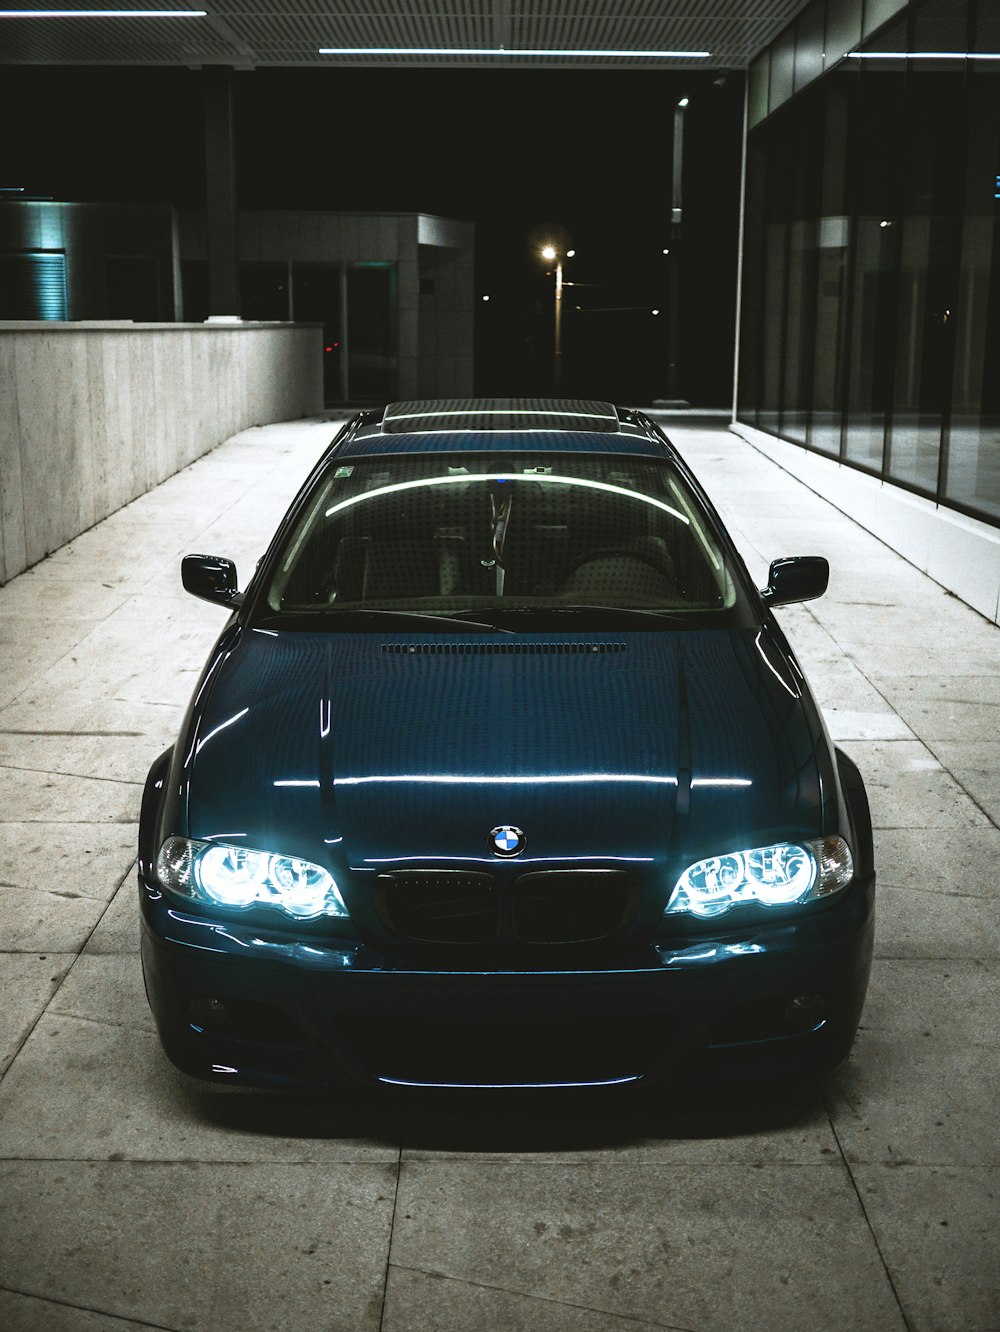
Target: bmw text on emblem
[[507, 841]]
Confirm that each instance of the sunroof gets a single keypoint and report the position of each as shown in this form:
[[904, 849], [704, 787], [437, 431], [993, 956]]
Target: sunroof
[[506, 414]]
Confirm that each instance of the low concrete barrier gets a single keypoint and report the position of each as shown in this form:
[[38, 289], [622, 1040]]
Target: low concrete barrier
[[92, 415]]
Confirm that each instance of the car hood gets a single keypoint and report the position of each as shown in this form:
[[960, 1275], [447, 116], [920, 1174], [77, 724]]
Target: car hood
[[371, 751]]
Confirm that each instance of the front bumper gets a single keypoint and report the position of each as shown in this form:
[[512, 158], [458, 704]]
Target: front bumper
[[233, 1003]]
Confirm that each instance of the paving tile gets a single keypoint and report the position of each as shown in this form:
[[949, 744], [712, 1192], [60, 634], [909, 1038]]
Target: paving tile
[[151, 546], [29, 646], [908, 788], [105, 987], [853, 707], [976, 765], [200, 1247], [923, 1081], [846, 725], [41, 797], [27, 982], [937, 1230], [969, 647], [103, 754], [40, 593], [915, 924], [74, 859], [38, 922], [117, 661], [959, 709], [429, 1302], [82, 711], [959, 862], [705, 1247], [118, 929], [129, 1103], [945, 639], [25, 1313]]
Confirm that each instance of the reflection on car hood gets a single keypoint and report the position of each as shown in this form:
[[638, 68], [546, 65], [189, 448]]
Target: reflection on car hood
[[372, 750]]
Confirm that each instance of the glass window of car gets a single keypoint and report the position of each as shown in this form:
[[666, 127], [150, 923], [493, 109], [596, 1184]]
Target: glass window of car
[[435, 532]]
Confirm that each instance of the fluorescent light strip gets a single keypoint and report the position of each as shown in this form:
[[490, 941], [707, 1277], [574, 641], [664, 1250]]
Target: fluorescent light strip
[[465, 478], [101, 13], [923, 55], [504, 51]]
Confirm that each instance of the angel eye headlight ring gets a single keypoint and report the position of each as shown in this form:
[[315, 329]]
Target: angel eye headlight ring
[[242, 877], [780, 875]]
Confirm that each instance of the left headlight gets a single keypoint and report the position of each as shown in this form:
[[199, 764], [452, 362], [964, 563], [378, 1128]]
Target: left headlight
[[773, 876], [236, 876]]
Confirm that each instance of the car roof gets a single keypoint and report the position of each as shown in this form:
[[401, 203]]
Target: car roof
[[449, 425]]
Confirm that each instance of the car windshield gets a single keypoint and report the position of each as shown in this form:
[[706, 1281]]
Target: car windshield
[[491, 533]]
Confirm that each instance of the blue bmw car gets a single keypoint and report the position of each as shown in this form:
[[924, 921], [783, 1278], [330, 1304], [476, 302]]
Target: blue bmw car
[[502, 773]]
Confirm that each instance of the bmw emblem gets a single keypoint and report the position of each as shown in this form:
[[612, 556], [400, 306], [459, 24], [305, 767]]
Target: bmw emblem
[[507, 840]]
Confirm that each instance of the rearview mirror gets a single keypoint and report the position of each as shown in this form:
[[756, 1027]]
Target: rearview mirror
[[211, 577], [796, 578]]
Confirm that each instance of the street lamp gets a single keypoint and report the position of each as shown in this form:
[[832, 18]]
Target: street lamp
[[550, 253], [673, 272]]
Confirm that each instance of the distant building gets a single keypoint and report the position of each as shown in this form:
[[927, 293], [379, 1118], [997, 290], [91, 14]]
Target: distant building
[[393, 291]]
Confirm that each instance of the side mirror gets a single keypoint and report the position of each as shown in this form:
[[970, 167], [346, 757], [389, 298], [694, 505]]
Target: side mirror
[[796, 578], [211, 577]]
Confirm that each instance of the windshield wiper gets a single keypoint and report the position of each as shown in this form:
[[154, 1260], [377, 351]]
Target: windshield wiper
[[639, 612], [458, 617]]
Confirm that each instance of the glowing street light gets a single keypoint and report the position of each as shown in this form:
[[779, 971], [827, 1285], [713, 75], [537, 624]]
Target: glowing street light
[[550, 254]]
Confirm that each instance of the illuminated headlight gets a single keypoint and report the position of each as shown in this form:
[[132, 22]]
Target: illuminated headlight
[[773, 876], [235, 876]]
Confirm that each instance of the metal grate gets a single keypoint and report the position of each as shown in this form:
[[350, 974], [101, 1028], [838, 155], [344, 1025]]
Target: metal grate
[[290, 32], [439, 906], [571, 906], [550, 907], [498, 649]]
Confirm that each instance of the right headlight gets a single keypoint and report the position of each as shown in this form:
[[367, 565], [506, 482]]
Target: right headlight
[[237, 876], [781, 875]]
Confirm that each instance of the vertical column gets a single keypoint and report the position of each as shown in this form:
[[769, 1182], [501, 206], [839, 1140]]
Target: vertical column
[[220, 191], [674, 272]]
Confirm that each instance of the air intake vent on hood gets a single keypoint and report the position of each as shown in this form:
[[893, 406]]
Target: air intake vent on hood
[[498, 649]]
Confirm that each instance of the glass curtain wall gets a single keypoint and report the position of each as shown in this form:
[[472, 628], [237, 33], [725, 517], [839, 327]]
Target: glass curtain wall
[[870, 326]]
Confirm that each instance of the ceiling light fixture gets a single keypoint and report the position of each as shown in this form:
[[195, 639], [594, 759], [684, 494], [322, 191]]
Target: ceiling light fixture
[[505, 51], [923, 55], [101, 13]]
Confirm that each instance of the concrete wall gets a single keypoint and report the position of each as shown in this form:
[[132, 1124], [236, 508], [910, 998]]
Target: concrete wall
[[446, 308], [94, 415], [961, 554], [435, 349]]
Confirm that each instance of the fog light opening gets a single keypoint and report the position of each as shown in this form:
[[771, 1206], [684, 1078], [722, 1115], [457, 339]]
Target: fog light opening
[[805, 1010], [210, 1012]]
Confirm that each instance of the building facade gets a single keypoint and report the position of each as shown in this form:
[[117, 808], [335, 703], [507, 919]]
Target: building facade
[[870, 300], [393, 292]]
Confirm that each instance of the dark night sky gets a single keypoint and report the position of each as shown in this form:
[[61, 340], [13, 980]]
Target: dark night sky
[[512, 150]]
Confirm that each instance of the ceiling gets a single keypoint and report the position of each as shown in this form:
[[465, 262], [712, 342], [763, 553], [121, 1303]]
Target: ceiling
[[248, 34]]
